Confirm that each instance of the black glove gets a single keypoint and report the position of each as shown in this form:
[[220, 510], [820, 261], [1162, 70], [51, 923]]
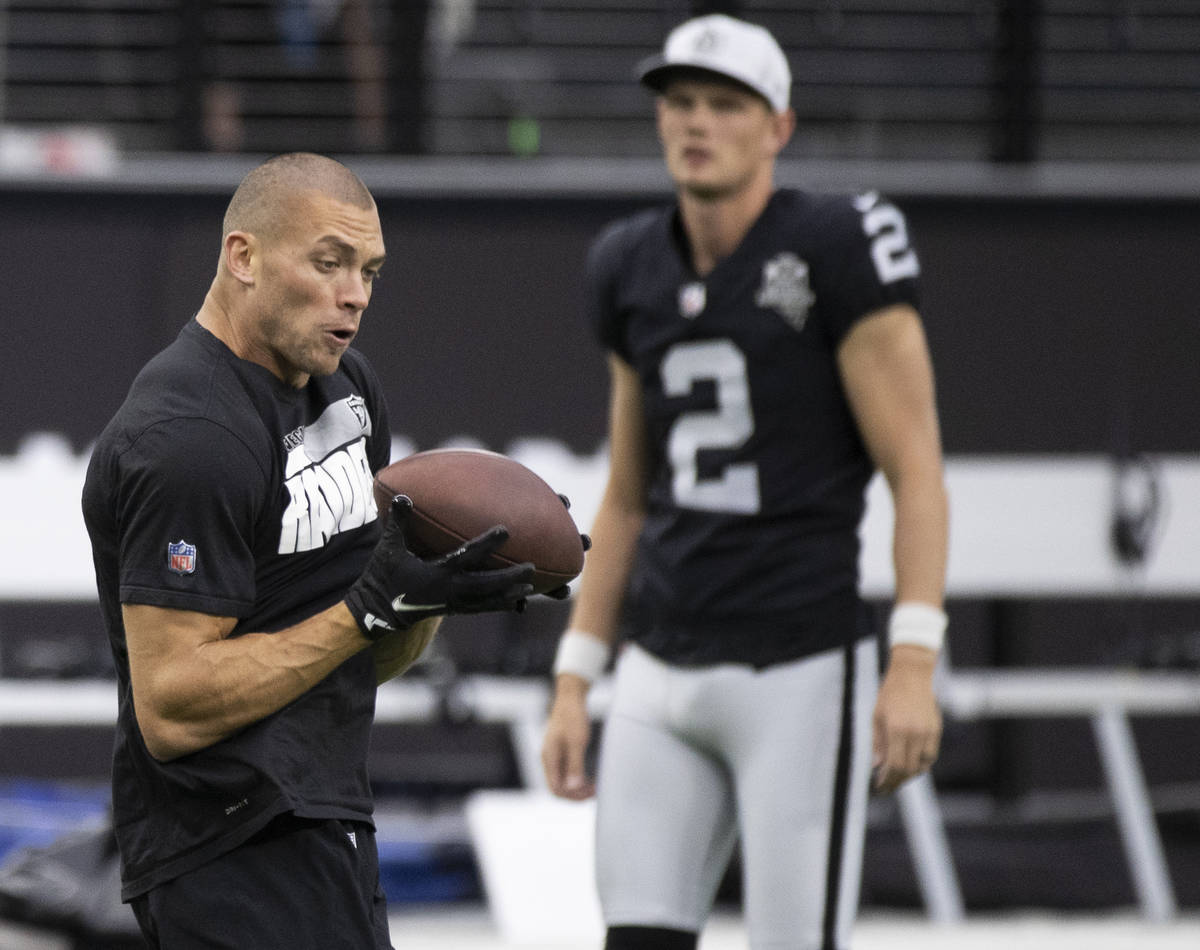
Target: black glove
[[397, 588]]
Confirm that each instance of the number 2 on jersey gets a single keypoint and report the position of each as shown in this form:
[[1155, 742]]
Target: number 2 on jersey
[[883, 223], [728, 426]]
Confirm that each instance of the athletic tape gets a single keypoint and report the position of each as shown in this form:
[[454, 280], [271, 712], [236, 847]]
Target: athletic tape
[[582, 654], [921, 625]]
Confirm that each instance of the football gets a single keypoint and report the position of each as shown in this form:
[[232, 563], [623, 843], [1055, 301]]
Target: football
[[458, 494]]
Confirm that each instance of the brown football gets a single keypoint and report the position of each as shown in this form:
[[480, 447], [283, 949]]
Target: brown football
[[458, 494]]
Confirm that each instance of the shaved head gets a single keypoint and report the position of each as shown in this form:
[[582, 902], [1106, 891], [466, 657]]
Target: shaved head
[[263, 199], [301, 247]]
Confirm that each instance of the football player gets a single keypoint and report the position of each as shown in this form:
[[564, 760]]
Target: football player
[[252, 598], [766, 358]]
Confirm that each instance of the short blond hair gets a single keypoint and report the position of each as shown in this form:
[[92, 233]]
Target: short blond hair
[[262, 200]]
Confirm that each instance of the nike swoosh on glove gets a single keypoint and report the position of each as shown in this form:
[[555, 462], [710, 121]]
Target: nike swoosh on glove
[[397, 588]]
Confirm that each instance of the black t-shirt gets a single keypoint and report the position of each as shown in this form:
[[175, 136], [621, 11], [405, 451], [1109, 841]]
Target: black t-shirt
[[757, 472], [217, 488]]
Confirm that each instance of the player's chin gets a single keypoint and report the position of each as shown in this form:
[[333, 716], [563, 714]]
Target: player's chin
[[324, 360], [704, 187]]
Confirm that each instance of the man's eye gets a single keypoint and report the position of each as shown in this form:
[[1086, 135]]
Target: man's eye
[[327, 265]]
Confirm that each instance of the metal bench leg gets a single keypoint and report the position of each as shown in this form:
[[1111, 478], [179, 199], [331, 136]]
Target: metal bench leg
[[1135, 816], [526, 734], [930, 851]]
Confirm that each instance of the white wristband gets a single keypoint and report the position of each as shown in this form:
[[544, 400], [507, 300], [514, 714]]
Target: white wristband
[[921, 625], [582, 654]]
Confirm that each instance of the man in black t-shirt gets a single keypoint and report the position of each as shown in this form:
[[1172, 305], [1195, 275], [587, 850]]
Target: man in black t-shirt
[[253, 600], [766, 357]]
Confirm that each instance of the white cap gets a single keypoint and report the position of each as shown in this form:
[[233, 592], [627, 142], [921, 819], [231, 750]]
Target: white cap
[[719, 44]]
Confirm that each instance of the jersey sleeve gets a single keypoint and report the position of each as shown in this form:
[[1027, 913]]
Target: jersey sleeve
[[604, 263], [869, 263], [189, 504]]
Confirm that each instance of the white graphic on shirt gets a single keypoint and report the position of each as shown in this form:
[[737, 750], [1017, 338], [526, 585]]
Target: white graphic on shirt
[[358, 406], [328, 478]]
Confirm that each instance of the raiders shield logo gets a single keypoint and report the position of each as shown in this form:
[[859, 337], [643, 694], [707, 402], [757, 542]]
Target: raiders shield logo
[[358, 406], [785, 289]]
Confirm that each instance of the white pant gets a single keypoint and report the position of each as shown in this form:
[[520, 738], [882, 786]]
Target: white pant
[[693, 758]]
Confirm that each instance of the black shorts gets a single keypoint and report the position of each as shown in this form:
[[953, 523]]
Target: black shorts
[[299, 884]]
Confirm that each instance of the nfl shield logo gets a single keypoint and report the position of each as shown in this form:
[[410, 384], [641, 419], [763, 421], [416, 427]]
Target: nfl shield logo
[[692, 298], [181, 557]]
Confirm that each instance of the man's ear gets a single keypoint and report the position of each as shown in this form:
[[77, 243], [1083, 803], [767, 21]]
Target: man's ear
[[240, 252], [784, 125]]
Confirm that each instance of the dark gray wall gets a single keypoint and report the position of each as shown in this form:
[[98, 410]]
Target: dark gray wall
[[1052, 322]]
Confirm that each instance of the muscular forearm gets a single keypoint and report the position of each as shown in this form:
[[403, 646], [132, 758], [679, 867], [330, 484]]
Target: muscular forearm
[[211, 686]]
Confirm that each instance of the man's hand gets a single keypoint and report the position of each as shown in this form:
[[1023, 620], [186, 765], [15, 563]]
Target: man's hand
[[564, 748], [907, 722], [397, 588]]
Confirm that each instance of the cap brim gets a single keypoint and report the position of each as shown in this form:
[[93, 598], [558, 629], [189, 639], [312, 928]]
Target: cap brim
[[655, 72], [649, 71]]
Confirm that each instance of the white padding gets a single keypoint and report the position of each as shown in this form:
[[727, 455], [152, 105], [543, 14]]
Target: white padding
[[536, 858]]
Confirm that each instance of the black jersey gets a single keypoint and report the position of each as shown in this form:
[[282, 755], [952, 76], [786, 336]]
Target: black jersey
[[218, 488], [757, 472]]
